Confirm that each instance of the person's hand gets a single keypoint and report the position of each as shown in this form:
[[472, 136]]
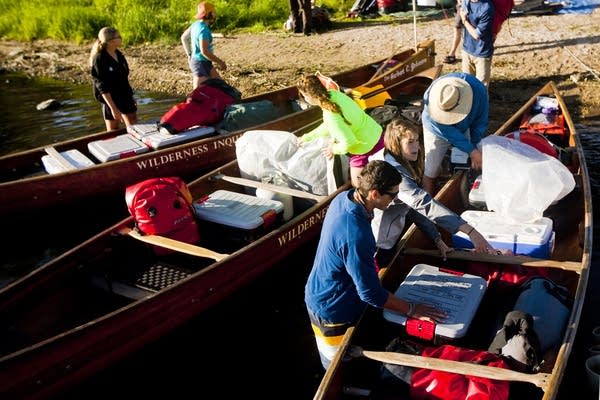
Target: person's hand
[[222, 65], [328, 151], [476, 159], [443, 248], [116, 114], [480, 244], [426, 311]]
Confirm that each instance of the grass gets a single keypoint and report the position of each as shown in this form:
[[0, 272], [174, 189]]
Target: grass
[[140, 21]]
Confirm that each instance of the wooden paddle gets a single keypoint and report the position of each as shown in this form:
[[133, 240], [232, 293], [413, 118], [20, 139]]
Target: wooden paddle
[[174, 245], [499, 259], [269, 186], [381, 67], [540, 380]]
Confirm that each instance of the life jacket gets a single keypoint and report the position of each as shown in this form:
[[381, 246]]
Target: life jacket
[[535, 140]]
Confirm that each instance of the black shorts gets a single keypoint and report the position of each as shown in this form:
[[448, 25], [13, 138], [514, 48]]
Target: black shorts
[[126, 105]]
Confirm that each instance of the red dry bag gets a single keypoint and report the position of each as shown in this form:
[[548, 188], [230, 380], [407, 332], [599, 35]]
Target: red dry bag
[[163, 206]]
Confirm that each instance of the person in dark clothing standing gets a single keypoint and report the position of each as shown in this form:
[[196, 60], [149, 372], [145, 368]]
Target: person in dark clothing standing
[[110, 78], [306, 7]]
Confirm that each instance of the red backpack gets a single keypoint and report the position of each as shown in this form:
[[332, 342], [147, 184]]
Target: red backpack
[[205, 105], [163, 206], [502, 9]]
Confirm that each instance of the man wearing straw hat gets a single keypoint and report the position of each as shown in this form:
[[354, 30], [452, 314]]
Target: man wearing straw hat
[[455, 113]]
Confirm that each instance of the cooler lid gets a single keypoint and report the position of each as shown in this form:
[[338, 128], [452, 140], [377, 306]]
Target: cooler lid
[[237, 210], [456, 293]]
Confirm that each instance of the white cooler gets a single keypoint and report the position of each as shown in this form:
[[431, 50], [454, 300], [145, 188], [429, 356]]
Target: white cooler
[[238, 210], [535, 239], [74, 157], [457, 294], [121, 146], [155, 136]]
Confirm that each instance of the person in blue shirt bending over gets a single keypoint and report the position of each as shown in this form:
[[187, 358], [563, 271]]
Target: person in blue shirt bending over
[[455, 113], [344, 279]]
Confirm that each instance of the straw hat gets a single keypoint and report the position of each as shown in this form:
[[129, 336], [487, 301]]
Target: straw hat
[[204, 9], [450, 100]]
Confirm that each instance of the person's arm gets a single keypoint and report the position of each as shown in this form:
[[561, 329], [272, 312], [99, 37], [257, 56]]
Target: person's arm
[[472, 30], [480, 244], [319, 131], [205, 50], [430, 230], [414, 310], [341, 133], [111, 104], [448, 132], [186, 38], [102, 88]]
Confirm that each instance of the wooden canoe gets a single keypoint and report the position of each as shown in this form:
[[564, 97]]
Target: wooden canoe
[[91, 306], [25, 186], [568, 265]]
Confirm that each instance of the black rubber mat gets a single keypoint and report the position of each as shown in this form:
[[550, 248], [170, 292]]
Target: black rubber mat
[[160, 276]]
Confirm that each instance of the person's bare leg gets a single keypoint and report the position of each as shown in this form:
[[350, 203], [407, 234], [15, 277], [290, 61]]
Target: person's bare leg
[[111, 124], [455, 41]]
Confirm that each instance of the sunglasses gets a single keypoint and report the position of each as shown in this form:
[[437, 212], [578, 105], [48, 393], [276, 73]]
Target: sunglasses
[[391, 194]]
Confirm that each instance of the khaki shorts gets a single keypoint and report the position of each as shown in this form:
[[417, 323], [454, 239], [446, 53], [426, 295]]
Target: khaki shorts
[[435, 150], [479, 66]]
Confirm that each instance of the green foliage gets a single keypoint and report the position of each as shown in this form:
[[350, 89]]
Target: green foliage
[[140, 20]]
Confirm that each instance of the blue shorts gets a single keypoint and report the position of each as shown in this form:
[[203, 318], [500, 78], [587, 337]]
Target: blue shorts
[[200, 68]]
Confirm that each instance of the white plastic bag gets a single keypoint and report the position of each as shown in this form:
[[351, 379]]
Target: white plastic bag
[[520, 181], [263, 152]]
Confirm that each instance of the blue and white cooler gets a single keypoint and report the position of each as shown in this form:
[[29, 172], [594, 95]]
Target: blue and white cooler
[[534, 239]]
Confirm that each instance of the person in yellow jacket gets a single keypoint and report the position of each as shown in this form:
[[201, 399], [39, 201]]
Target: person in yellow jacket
[[350, 129]]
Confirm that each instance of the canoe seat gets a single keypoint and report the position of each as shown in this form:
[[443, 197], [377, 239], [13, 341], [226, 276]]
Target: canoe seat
[[141, 283], [160, 276]]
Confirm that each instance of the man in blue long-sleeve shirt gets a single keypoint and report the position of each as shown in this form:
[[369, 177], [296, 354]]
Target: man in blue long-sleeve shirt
[[344, 278]]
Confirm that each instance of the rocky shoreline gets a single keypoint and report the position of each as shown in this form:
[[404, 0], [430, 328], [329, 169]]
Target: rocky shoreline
[[530, 50]]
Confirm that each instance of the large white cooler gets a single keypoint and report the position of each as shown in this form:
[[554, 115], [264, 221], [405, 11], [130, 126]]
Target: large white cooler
[[535, 239], [156, 136], [457, 294], [120, 146], [73, 157], [238, 210]]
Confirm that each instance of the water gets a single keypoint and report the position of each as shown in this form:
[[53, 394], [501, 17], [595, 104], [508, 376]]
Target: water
[[23, 127], [258, 343]]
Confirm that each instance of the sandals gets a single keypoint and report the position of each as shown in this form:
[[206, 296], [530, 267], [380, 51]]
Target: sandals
[[449, 59]]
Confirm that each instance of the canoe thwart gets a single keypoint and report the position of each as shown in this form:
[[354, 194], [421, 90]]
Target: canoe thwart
[[174, 245], [499, 259], [52, 152], [540, 380], [269, 186]]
